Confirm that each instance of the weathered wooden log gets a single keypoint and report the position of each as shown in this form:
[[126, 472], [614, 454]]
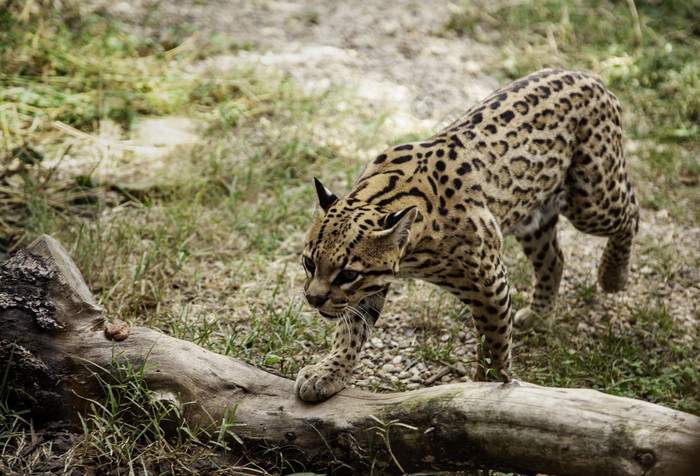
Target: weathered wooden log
[[52, 331]]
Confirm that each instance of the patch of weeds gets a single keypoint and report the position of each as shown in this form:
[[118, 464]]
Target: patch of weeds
[[287, 459], [77, 68], [290, 333], [200, 330], [266, 187], [117, 430], [428, 313], [437, 350], [382, 431], [275, 337], [668, 176], [662, 258], [286, 334], [61, 67], [128, 429], [131, 259], [585, 290], [32, 199], [645, 362]]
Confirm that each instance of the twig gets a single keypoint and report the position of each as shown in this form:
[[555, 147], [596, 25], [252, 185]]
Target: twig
[[441, 373]]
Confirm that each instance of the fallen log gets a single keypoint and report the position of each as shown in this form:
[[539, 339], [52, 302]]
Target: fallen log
[[53, 338]]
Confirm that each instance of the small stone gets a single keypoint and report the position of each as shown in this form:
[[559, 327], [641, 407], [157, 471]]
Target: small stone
[[459, 368], [397, 360], [389, 369], [404, 344], [662, 214], [377, 343]]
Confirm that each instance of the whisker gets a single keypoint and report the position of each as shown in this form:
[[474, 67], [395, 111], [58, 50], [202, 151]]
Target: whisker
[[361, 314]]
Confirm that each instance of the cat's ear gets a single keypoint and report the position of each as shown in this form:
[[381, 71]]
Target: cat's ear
[[397, 225], [325, 197]]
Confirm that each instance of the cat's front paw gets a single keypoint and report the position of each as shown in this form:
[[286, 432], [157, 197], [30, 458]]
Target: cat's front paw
[[319, 382]]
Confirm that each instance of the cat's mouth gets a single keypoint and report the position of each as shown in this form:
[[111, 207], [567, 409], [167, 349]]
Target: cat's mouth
[[330, 316]]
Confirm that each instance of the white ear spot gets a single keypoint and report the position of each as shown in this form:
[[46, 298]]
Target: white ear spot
[[398, 225]]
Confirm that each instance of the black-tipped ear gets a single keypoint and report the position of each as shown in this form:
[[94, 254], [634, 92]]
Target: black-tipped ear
[[326, 198], [393, 218], [398, 225]]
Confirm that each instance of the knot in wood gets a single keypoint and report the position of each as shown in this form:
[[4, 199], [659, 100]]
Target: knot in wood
[[645, 458]]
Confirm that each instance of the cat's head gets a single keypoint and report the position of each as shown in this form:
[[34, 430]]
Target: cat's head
[[352, 251]]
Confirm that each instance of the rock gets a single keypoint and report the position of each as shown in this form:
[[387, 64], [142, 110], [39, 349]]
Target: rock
[[389, 369], [377, 343]]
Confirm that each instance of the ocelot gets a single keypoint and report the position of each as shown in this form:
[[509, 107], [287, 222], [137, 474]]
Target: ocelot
[[547, 144]]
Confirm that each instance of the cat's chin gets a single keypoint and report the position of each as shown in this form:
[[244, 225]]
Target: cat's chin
[[332, 317]]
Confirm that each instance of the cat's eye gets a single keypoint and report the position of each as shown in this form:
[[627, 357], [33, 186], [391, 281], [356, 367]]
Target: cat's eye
[[346, 276], [308, 264]]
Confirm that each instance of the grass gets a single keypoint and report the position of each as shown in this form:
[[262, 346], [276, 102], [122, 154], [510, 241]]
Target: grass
[[207, 249], [13, 421], [648, 361], [132, 429]]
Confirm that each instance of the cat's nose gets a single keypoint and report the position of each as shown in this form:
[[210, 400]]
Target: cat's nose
[[316, 300]]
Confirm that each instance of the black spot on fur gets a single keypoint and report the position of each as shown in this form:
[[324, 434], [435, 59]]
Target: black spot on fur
[[402, 160]]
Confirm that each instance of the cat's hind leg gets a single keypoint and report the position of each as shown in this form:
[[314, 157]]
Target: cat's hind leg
[[538, 237]]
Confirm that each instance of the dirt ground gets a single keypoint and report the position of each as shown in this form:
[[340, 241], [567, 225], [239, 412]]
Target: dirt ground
[[402, 64]]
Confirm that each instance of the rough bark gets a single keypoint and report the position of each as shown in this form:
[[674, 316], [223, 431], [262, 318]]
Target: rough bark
[[53, 338]]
